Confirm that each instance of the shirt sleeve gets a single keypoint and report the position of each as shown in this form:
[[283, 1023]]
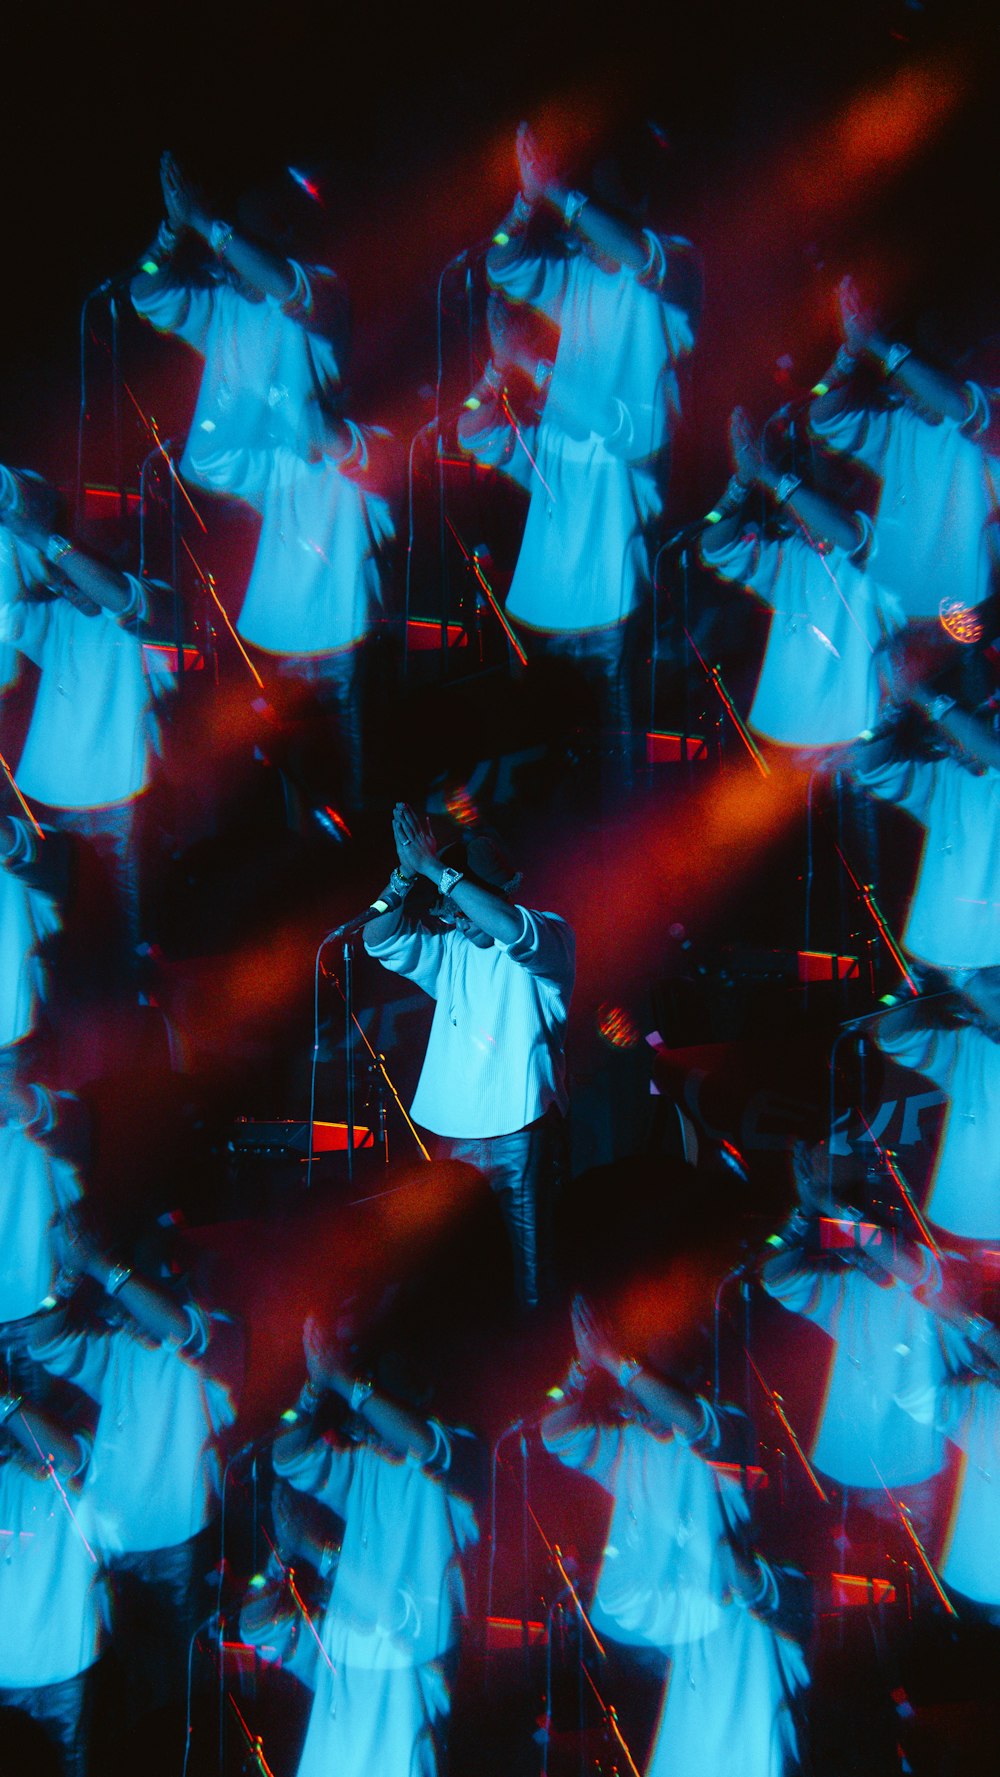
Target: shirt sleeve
[[488, 436], [749, 559], [245, 474], [590, 1449], [545, 946], [83, 1358], [414, 952], [42, 864], [674, 271], [457, 1460], [927, 1051], [908, 783], [318, 300], [181, 309], [853, 431], [324, 1468], [522, 274], [804, 1289]]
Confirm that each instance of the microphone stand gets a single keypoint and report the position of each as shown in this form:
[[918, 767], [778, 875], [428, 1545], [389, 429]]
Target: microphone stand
[[730, 1277], [713, 674], [82, 416], [116, 410], [473, 563], [866, 894], [888, 1160], [348, 932], [254, 1743], [25, 809], [348, 996], [608, 1711], [431, 425], [777, 1406], [903, 1514], [557, 1561]]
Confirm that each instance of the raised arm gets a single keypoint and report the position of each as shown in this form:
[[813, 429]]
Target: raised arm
[[666, 1406], [154, 1311], [78, 575], [936, 395], [417, 852], [264, 271], [901, 668], [541, 187], [821, 522], [395, 1426]]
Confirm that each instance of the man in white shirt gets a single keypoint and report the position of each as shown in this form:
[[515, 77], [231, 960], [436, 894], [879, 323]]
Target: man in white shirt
[[492, 1087]]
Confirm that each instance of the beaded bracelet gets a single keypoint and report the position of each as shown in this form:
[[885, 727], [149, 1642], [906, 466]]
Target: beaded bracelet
[[400, 883]]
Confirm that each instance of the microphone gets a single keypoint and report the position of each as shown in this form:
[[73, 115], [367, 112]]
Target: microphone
[[251, 1447], [528, 1423], [531, 1421], [690, 532], [120, 281], [466, 255], [386, 902], [923, 999]]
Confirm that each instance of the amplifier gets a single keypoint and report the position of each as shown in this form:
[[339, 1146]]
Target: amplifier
[[288, 1138]]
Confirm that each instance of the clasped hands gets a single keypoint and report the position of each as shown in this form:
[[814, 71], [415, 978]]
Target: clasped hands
[[416, 846]]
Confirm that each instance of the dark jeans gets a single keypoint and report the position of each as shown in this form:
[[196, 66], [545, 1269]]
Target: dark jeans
[[525, 1170], [61, 1714], [605, 662], [113, 832], [327, 695], [158, 1605]]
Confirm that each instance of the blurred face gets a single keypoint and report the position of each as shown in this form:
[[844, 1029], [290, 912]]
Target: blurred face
[[448, 914]]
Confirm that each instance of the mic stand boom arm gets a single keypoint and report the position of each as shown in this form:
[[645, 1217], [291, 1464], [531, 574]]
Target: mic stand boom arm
[[378, 1059]]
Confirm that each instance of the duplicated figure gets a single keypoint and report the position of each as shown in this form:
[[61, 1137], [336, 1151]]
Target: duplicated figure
[[924, 437], [492, 1087], [878, 1310], [403, 1485], [41, 1146], [625, 303], [951, 1044], [34, 880], [271, 1617], [164, 1375], [53, 1603], [268, 429], [819, 683], [271, 330], [965, 1409], [949, 781], [89, 751], [318, 577], [679, 1586]]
